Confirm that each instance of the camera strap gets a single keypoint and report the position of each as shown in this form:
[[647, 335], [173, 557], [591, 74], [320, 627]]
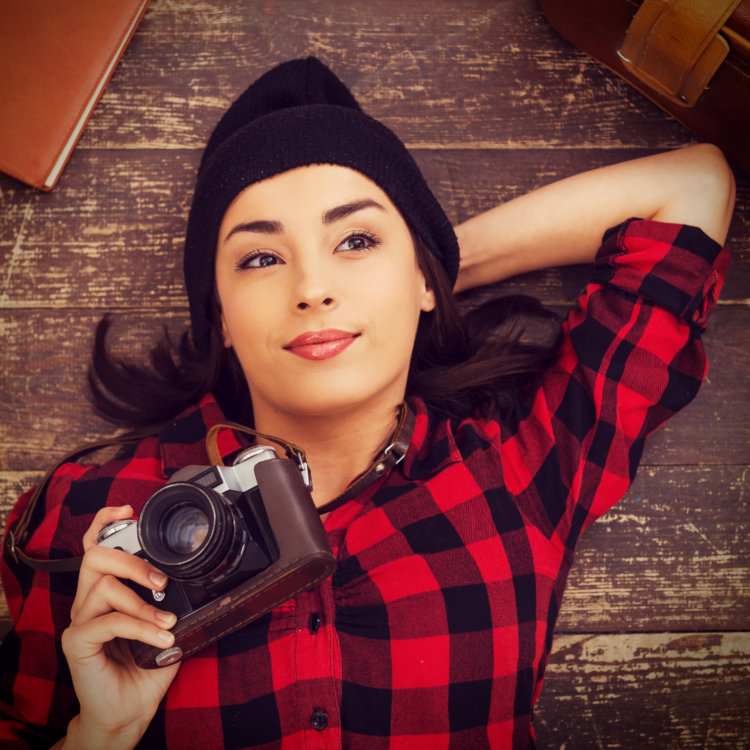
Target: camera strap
[[17, 537], [385, 460], [293, 452]]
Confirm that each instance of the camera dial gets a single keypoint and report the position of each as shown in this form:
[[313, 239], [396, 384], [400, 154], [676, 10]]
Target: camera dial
[[252, 452], [113, 528]]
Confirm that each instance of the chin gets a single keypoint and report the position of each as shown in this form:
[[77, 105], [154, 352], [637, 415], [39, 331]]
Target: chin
[[321, 403], [321, 397]]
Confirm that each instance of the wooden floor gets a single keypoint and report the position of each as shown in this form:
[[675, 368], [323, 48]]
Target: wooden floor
[[653, 648]]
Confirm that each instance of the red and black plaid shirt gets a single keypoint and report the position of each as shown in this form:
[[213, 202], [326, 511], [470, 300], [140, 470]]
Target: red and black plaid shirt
[[435, 630]]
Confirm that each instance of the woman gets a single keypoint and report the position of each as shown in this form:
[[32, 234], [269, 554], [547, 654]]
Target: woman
[[319, 270]]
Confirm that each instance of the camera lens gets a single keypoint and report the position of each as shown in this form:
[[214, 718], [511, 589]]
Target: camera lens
[[189, 532], [184, 529]]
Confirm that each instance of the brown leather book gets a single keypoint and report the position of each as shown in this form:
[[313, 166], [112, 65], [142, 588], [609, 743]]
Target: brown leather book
[[56, 57]]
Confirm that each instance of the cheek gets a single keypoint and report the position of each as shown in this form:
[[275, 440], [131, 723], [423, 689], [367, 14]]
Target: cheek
[[391, 300], [247, 321]]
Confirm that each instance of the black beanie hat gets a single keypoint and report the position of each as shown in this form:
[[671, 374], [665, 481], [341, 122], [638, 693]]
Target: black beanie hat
[[296, 114]]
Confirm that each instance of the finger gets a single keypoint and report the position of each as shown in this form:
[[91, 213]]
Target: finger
[[109, 595], [101, 519], [86, 640], [99, 561]]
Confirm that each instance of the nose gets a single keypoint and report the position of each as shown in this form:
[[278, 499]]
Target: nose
[[324, 303], [314, 288]]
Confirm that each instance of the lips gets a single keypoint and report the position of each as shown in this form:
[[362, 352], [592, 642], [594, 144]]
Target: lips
[[319, 345]]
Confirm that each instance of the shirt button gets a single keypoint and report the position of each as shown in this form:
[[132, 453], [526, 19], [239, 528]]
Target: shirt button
[[313, 623], [319, 720]]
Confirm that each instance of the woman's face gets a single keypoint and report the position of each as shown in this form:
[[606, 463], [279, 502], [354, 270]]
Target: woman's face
[[320, 291]]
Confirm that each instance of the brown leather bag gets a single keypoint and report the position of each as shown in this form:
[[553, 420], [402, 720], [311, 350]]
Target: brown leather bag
[[691, 57]]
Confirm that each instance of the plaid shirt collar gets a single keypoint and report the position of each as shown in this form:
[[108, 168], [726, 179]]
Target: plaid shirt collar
[[432, 448]]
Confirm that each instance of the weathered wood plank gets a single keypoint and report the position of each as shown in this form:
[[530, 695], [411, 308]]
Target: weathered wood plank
[[660, 691], [112, 234], [12, 485], [43, 411], [46, 354], [672, 555], [474, 72]]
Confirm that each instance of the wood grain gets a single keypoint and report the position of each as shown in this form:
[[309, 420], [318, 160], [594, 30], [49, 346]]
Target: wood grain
[[651, 691], [671, 555], [111, 235], [44, 412], [471, 72]]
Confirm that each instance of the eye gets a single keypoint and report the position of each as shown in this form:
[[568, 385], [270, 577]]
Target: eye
[[257, 259], [359, 241]]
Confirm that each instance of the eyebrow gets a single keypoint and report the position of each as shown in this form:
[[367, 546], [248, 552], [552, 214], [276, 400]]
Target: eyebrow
[[267, 226], [341, 212], [263, 226]]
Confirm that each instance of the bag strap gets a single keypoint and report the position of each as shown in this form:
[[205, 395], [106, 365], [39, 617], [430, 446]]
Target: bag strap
[[17, 537], [673, 46]]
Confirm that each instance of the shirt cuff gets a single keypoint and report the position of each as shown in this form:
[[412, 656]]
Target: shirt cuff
[[675, 266]]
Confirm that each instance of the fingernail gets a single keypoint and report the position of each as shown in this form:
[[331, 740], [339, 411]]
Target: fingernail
[[158, 579], [125, 509], [166, 617], [166, 636]]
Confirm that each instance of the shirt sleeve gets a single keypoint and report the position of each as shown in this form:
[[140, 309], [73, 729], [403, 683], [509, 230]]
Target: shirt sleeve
[[631, 358], [37, 700]]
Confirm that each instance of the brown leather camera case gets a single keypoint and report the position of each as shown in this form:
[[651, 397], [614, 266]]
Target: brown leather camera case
[[305, 560]]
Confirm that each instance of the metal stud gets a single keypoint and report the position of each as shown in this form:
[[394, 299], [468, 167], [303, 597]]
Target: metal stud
[[622, 57], [380, 468], [169, 656]]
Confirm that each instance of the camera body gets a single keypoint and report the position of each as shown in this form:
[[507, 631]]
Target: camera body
[[234, 542], [206, 529]]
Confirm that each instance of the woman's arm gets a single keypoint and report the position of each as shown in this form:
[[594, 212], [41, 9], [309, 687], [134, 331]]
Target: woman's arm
[[116, 700], [563, 223]]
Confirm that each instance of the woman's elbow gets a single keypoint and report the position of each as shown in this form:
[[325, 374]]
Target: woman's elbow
[[711, 190]]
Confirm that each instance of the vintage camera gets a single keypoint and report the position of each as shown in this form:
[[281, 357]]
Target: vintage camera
[[233, 541]]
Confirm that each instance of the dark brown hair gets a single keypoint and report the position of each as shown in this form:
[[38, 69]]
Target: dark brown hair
[[480, 358]]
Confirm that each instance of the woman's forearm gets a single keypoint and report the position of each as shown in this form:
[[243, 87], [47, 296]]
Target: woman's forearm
[[562, 223]]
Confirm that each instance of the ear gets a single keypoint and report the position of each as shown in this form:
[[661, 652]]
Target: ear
[[225, 333], [427, 300]]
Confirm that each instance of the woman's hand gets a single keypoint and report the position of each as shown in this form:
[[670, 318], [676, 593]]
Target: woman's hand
[[563, 223], [118, 699]]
